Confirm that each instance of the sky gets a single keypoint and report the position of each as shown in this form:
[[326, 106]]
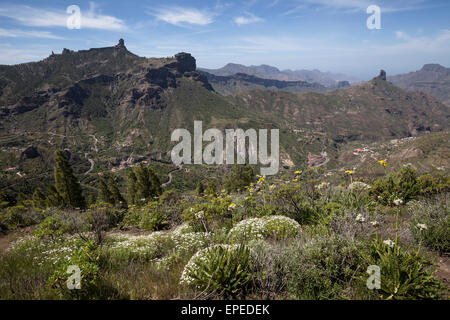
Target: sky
[[328, 35]]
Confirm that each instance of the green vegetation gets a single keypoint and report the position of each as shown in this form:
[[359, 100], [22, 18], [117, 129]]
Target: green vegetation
[[304, 237]]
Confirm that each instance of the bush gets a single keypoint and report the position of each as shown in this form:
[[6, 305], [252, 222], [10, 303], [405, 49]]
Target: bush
[[299, 202], [429, 185], [210, 215], [149, 217], [322, 268], [404, 274], [87, 259], [275, 227], [221, 269], [396, 188], [430, 223], [51, 227], [19, 216]]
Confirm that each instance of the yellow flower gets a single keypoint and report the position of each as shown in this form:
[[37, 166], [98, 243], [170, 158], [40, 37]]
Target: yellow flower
[[298, 172], [232, 206], [295, 180], [223, 190], [383, 163], [349, 172]]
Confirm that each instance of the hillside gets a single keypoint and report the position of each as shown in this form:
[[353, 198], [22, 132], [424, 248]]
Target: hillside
[[432, 78], [111, 109]]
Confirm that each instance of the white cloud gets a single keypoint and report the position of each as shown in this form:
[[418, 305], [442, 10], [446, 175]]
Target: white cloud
[[15, 33], [179, 16], [386, 6], [249, 18], [34, 17]]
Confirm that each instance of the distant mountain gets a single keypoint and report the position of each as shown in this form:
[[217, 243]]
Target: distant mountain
[[432, 78], [327, 79], [243, 82]]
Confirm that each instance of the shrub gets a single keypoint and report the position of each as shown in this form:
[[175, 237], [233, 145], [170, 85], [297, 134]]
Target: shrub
[[430, 223], [322, 268], [275, 227], [429, 184], [87, 259], [221, 269], [298, 201], [401, 186], [19, 216], [210, 215], [240, 177], [149, 217], [404, 274], [51, 227]]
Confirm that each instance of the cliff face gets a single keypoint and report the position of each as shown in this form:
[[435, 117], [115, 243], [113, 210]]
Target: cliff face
[[432, 78]]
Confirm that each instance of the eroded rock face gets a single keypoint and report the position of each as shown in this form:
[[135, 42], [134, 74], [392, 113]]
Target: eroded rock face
[[382, 75], [186, 62]]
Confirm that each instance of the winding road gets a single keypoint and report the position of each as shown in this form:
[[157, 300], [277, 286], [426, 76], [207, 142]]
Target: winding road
[[170, 175], [95, 148]]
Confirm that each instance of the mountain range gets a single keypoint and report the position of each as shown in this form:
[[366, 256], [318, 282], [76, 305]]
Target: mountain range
[[432, 78], [326, 79], [110, 109]]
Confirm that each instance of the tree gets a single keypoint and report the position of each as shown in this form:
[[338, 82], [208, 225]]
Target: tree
[[200, 188], [92, 199], [53, 198], [66, 183], [104, 195], [114, 191], [131, 187], [240, 177], [147, 185], [39, 199]]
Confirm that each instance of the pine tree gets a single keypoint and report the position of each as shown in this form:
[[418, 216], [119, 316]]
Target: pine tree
[[104, 195], [92, 199], [67, 184], [39, 199], [145, 184], [53, 198], [156, 189], [200, 188], [116, 196], [131, 187]]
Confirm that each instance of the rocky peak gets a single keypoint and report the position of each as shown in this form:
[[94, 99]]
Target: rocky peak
[[186, 62], [382, 75], [433, 67], [121, 44]]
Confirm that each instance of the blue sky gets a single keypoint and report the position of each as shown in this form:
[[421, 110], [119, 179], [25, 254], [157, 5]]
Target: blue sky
[[289, 34]]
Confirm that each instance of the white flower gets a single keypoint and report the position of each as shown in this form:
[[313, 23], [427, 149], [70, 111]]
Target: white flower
[[358, 186], [374, 223], [422, 226], [389, 243], [360, 218], [200, 214], [398, 202]]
